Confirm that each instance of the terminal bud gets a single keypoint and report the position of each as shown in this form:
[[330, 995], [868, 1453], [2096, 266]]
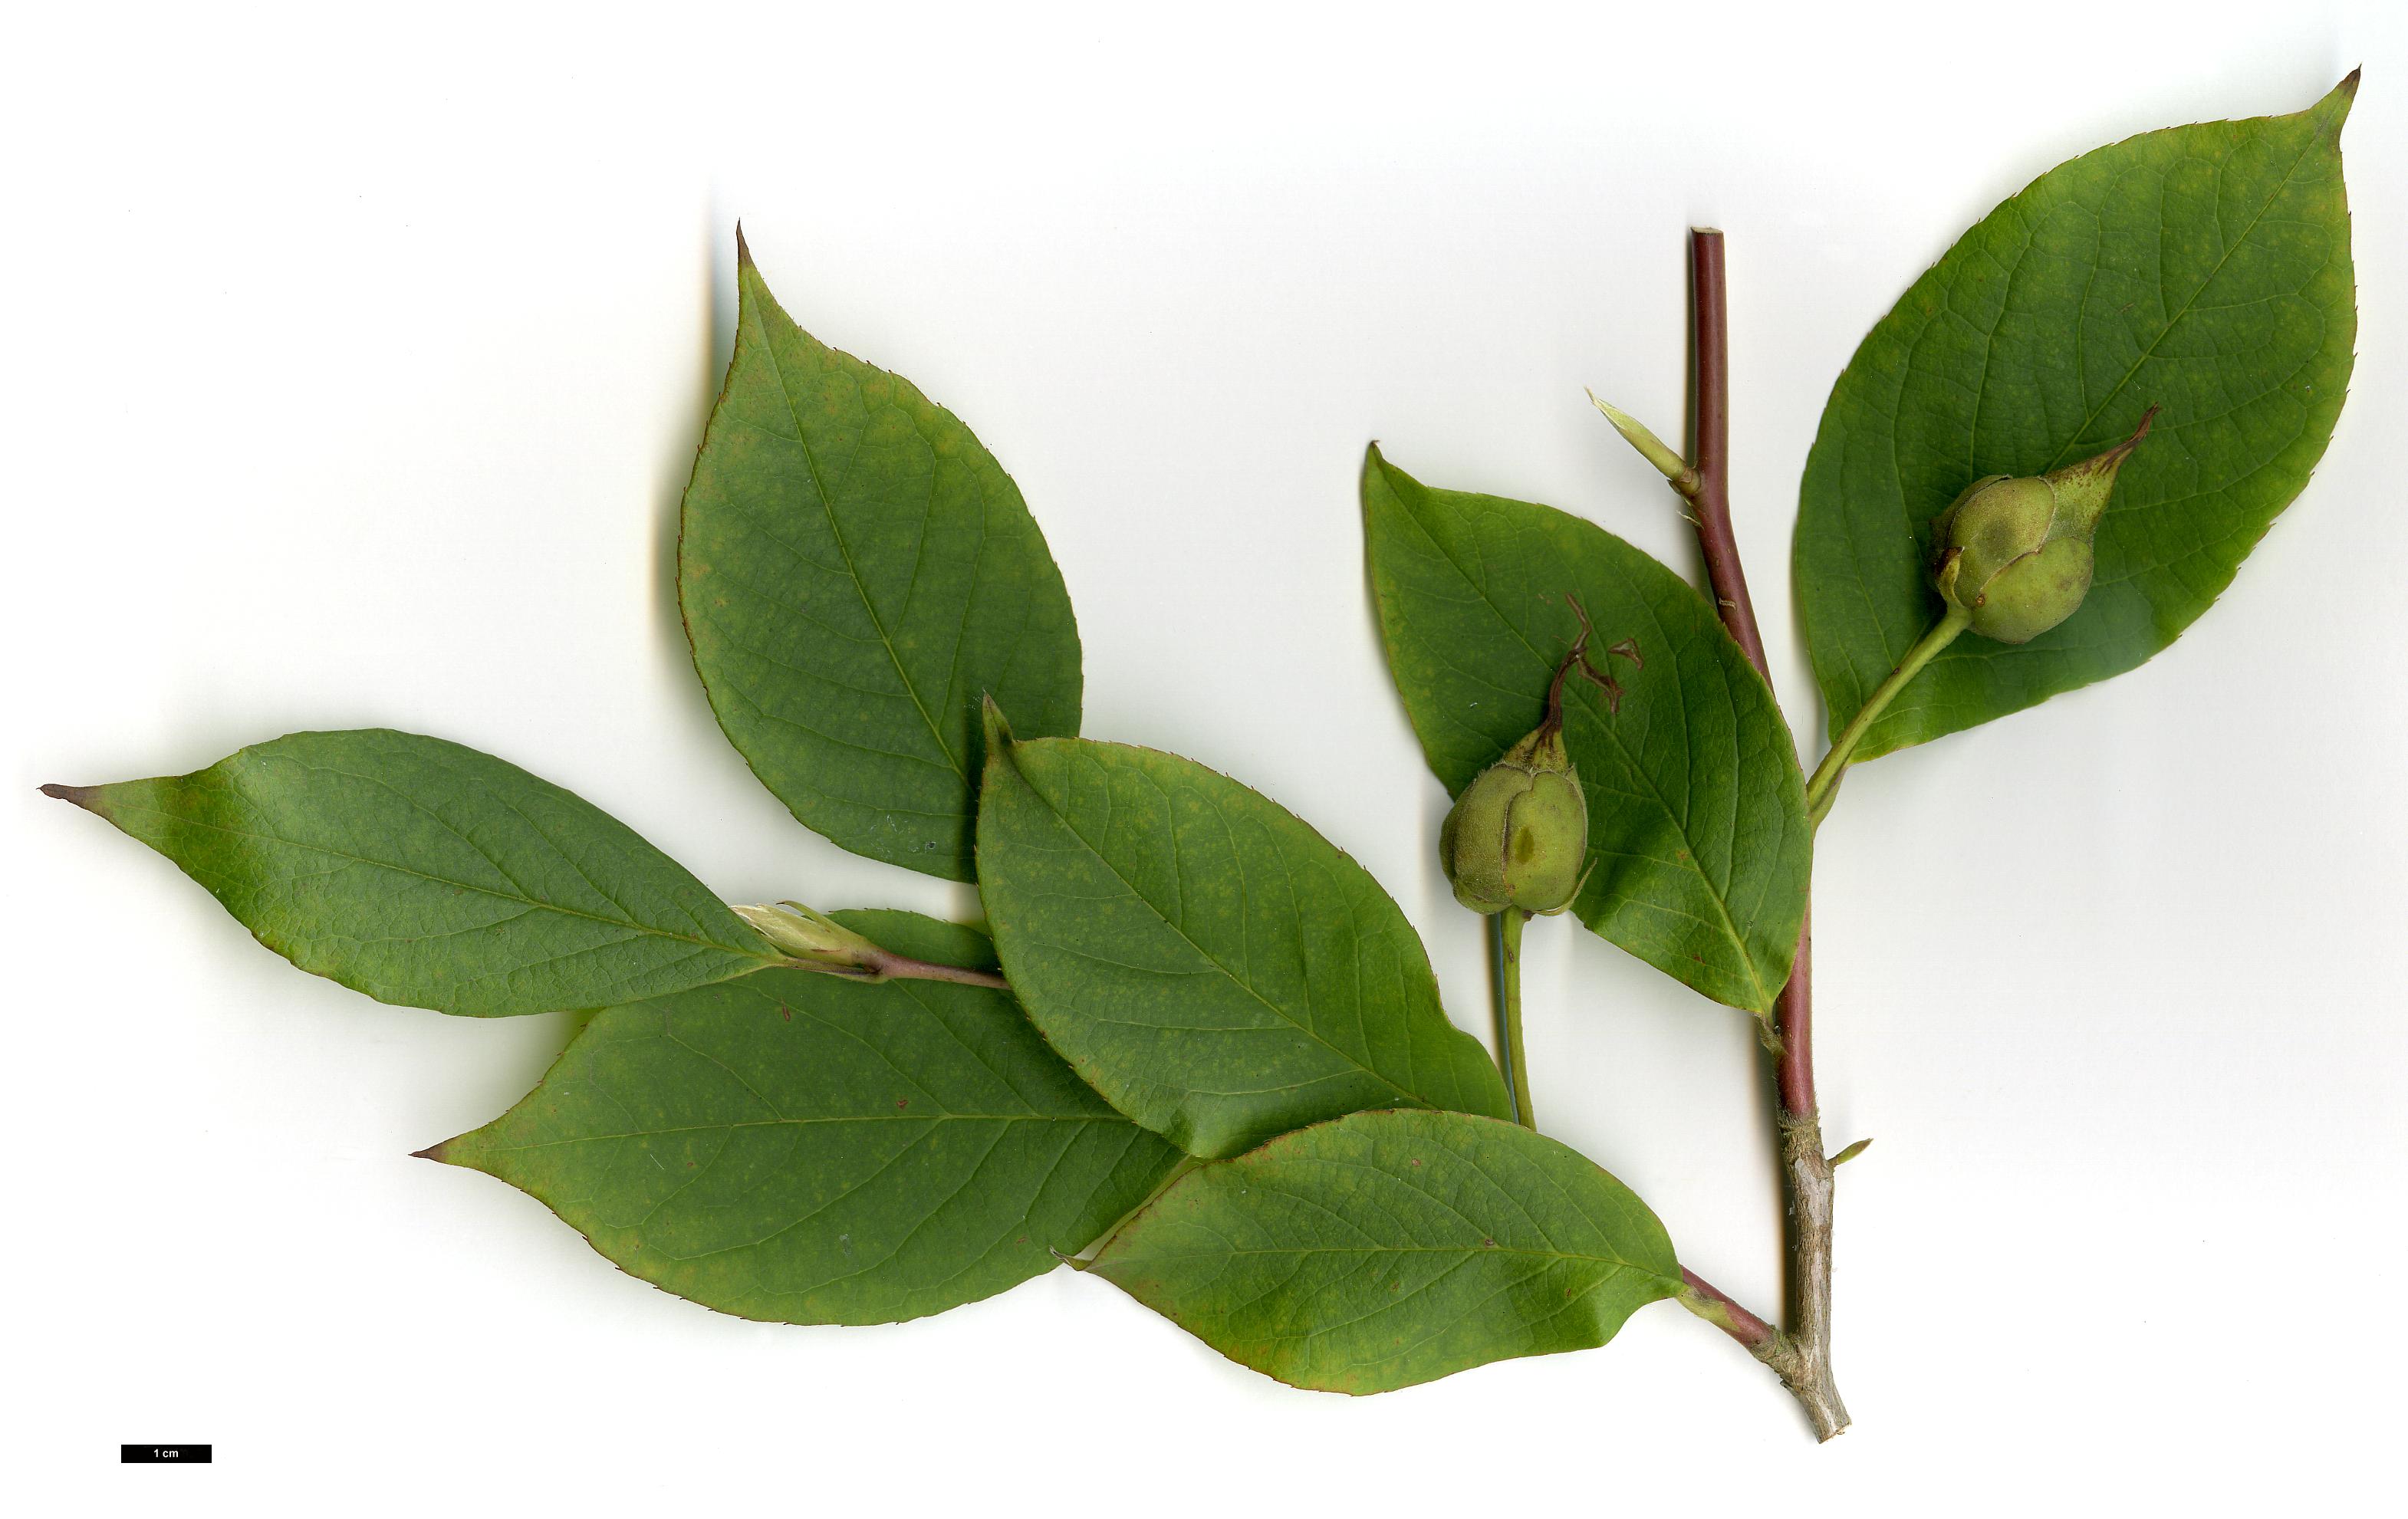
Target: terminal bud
[[815, 940]]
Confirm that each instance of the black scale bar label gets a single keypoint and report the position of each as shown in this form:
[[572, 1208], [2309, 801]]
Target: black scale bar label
[[130, 1455]]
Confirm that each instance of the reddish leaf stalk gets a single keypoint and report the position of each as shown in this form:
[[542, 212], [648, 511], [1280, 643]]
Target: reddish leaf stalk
[[1713, 1304], [888, 965]]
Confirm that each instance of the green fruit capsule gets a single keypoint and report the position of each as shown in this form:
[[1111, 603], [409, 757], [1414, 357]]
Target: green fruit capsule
[[2015, 554], [1518, 835]]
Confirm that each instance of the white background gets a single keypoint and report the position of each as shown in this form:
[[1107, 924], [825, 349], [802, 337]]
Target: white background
[[353, 360]]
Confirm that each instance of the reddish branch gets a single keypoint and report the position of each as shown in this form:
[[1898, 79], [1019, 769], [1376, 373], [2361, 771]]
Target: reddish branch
[[1801, 1354], [1710, 453], [1793, 1024]]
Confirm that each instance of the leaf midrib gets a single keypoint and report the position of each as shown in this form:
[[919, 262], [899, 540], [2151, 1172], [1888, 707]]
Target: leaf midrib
[[1211, 959], [2074, 438], [790, 1123], [1500, 1251], [827, 508], [460, 885], [1902, 719]]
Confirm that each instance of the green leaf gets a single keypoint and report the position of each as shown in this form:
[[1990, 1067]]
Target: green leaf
[[424, 873], [798, 1147], [2204, 269], [1394, 1248], [1699, 842], [855, 570], [1219, 971]]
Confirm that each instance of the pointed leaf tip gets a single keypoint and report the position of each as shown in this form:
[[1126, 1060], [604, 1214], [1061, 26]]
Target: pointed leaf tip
[[434, 1151], [638, 1139], [83, 796], [2276, 309], [892, 778], [556, 905], [998, 728], [2337, 101], [1375, 467]]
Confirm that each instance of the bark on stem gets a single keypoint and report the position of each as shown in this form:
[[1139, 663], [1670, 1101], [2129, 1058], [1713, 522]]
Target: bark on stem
[[1711, 451], [1801, 1354]]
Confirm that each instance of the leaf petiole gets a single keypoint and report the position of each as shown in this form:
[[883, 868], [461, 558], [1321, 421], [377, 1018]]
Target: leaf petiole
[[1825, 781], [1510, 924], [885, 965]]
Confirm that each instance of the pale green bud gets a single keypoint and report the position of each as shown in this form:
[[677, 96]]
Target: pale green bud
[[801, 934], [2014, 554]]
